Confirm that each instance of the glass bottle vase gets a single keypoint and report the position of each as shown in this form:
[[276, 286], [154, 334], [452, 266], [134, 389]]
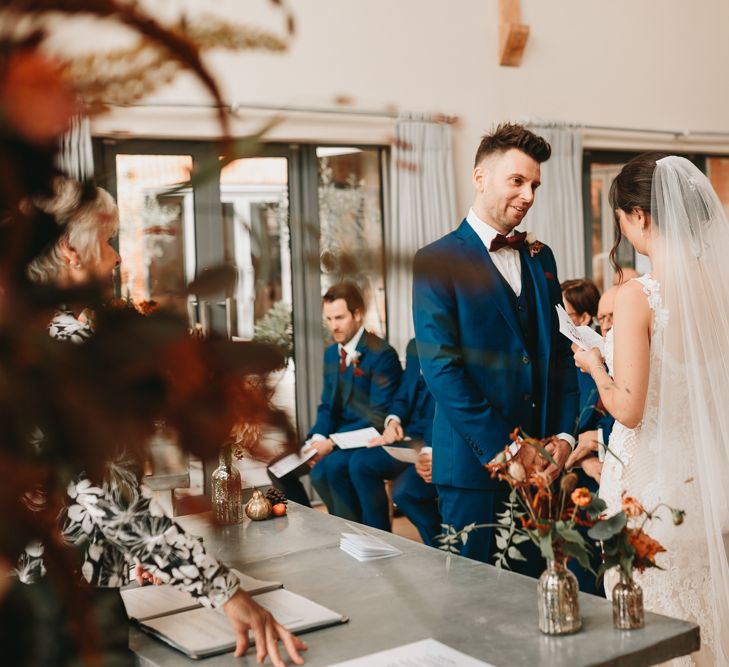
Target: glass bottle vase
[[558, 600], [226, 490], [628, 611]]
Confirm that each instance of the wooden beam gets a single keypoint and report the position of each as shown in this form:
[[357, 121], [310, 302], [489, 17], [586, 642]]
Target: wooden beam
[[513, 34]]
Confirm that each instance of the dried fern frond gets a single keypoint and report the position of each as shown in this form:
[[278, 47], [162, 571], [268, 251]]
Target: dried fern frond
[[123, 76]]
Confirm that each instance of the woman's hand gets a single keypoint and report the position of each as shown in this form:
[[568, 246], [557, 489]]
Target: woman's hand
[[586, 446], [587, 360], [245, 614], [592, 467], [142, 575]]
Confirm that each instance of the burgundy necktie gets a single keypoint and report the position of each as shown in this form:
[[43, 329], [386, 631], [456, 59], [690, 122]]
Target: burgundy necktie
[[514, 241], [342, 360]]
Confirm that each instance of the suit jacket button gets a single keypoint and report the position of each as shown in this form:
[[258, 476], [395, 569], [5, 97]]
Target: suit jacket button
[[525, 359], [527, 397]]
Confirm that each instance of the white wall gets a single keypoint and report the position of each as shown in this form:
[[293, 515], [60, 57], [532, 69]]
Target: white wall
[[634, 63]]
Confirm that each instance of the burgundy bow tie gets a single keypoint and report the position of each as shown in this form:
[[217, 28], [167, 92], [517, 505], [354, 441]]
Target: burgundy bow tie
[[514, 241]]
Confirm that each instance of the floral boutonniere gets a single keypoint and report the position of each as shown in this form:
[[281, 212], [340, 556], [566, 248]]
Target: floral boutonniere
[[533, 246], [356, 358]]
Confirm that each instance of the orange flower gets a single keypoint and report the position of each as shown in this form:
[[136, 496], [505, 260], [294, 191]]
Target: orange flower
[[147, 307], [581, 497], [632, 507], [645, 547]]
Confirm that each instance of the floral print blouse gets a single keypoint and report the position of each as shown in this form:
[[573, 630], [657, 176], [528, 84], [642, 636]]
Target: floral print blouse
[[119, 526]]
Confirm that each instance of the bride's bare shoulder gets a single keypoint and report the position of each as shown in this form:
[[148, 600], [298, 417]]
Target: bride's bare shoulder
[[630, 299]]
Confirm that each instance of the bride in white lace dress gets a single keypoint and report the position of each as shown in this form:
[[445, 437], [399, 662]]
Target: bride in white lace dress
[[668, 382]]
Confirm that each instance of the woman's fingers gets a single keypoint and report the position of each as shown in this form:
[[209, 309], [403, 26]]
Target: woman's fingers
[[241, 642], [292, 643]]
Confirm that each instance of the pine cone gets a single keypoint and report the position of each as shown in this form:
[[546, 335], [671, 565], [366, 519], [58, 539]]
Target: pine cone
[[274, 496]]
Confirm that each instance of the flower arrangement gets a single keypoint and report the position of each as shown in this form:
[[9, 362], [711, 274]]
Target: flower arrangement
[[625, 542], [536, 510]]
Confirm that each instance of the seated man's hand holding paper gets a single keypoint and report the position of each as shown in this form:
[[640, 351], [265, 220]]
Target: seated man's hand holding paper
[[323, 448], [245, 614], [393, 432], [424, 465]]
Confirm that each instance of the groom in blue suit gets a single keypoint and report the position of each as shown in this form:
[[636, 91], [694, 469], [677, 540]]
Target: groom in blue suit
[[484, 302]]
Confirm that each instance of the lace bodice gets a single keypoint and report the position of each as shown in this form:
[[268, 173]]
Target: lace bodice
[[653, 465]]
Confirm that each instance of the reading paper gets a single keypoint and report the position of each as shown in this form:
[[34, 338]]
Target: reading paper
[[353, 439], [425, 653], [292, 461], [404, 454], [583, 336]]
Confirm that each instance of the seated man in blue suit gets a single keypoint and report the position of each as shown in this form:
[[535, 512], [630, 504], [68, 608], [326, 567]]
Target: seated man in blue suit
[[411, 414], [484, 300], [361, 375]]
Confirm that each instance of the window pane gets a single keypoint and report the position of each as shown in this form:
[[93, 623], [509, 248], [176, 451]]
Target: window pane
[[603, 227], [350, 221], [256, 240], [156, 231]]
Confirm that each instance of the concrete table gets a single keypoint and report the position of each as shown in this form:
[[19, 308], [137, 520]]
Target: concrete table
[[475, 608]]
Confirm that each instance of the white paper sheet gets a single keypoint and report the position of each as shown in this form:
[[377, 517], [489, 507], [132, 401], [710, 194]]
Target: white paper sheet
[[353, 439], [404, 454], [292, 461], [583, 336], [425, 653]]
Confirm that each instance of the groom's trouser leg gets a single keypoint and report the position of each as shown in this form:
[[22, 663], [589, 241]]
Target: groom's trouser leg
[[459, 507]]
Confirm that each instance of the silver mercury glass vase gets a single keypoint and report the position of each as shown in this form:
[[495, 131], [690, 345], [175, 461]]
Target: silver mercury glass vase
[[558, 600], [628, 611], [227, 493]]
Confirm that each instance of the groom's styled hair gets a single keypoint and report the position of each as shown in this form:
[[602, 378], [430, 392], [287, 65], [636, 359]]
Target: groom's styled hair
[[511, 135]]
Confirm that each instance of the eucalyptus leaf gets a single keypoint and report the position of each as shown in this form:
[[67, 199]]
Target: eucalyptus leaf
[[579, 554], [515, 554], [571, 535], [605, 529], [545, 546]]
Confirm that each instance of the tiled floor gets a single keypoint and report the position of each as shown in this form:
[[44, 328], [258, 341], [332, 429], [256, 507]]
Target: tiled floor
[[400, 525]]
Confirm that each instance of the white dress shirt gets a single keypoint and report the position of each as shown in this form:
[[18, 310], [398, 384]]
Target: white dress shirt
[[349, 347], [508, 263], [506, 260]]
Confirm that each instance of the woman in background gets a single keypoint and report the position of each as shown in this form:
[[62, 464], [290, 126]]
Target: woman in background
[[116, 522]]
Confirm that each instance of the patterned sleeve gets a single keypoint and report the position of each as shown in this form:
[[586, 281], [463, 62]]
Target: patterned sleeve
[[124, 526]]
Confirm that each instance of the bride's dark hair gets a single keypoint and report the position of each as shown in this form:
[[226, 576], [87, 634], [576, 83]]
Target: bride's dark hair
[[631, 189]]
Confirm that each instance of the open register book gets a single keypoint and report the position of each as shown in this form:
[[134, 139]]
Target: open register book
[[177, 619]]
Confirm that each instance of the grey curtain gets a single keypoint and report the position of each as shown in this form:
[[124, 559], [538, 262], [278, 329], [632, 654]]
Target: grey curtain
[[557, 217], [423, 209], [75, 155]]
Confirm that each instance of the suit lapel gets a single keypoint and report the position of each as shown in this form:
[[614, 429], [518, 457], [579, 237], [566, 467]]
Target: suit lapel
[[481, 260], [543, 309]]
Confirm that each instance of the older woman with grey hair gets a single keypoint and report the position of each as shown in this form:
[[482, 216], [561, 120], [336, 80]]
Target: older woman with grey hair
[[115, 520]]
